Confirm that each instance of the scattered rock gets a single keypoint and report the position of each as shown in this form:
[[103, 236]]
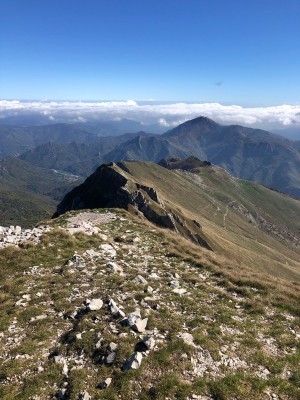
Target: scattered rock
[[65, 369], [110, 358], [149, 289], [75, 261], [15, 236], [134, 362], [61, 394], [174, 284], [103, 237], [140, 325], [112, 346], [108, 250], [187, 338], [149, 342], [92, 254], [132, 318], [114, 267], [139, 279], [94, 304], [38, 318], [154, 275], [84, 396], [179, 291], [105, 384], [115, 310]]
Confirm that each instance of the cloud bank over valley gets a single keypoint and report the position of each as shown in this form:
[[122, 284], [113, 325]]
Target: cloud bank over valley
[[151, 113]]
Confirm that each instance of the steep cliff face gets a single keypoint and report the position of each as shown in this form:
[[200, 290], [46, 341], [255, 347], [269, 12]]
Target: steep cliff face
[[112, 186]]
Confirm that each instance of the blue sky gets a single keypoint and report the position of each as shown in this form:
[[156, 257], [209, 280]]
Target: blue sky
[[226, 51]]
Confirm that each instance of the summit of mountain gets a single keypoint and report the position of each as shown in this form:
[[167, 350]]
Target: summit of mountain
[[199, 124], [192, 163]]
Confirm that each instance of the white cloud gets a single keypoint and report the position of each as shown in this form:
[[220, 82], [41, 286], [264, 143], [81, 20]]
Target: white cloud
[[166, 115]]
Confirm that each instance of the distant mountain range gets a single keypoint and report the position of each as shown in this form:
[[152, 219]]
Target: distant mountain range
[[246, 153], [18, 138], [54, 158], [15, 140], [75, 157]]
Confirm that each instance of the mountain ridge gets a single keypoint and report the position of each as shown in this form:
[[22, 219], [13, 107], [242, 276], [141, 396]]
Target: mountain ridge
[[246, 153], [110, 303], [207, 202]]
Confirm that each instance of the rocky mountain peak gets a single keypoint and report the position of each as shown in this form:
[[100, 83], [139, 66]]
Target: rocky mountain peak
[[112, 186], [199, 124], [189, 164]]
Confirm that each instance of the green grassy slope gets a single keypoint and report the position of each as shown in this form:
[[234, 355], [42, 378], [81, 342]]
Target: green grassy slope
[[242, 220], [22, 207]]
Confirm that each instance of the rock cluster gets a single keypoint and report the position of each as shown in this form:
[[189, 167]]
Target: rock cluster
[[15, 235]]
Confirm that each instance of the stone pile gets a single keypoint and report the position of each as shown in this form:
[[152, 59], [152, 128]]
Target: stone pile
[[86, 222], [15, 235]]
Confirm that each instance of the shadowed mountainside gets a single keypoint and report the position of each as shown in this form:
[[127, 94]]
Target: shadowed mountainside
[[77, 158], [29, 193], [15, 140]]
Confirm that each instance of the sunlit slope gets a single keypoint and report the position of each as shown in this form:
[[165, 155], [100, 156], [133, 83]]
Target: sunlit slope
[[243, 220]]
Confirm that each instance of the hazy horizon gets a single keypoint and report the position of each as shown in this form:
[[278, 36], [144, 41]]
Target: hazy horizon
[[157, 115]]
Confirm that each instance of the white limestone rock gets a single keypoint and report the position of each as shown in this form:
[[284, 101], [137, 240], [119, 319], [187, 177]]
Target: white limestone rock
[[187, 338], [94, 304], [108, 250], [115, 310], [134, 362], [149, 342], [105, 384], [84, 396], [139, 279], [179, 291], [133, 317], [140, 325]]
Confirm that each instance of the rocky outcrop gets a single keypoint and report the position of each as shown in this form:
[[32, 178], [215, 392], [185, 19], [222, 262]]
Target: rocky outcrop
[[112, 186], [16, 236], [189, 164]]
